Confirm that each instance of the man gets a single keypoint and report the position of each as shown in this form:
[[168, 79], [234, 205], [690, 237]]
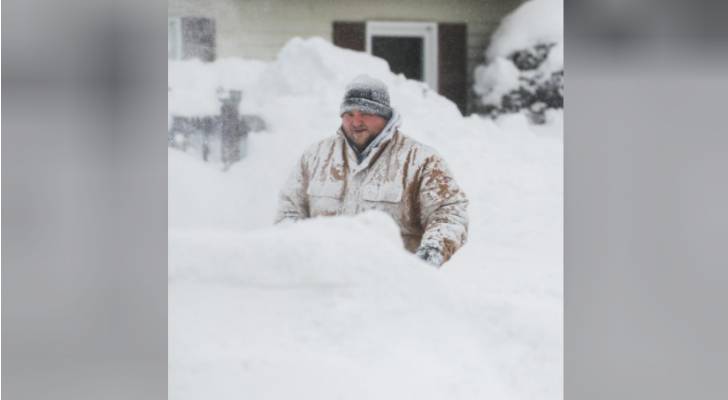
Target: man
[[369, 165]]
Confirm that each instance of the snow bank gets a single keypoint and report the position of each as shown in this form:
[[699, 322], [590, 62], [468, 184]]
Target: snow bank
[[305, 83], [193, 85], [294, 255], [334, 308]]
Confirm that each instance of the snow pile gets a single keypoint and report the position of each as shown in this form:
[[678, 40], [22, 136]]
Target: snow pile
[[334, 307], [305, 84], [194, 85], [299, 310], [525, 61]]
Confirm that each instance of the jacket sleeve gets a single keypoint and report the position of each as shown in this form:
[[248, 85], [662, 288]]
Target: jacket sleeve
[[443, 209], [293, 201]]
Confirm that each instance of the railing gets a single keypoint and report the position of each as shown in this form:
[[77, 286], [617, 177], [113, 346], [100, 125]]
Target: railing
[[221, 137]]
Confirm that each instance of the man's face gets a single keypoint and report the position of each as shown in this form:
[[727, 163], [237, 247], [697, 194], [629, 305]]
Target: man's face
[[362, 128]]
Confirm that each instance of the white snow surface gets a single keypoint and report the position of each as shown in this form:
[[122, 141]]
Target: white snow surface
[[335, 308], [534, 22], [496, 79]]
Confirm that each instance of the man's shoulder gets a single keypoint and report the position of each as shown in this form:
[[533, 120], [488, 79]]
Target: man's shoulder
[[323, 144], [408, 145]]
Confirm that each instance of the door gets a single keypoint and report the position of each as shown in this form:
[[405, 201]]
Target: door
[[410, 48]]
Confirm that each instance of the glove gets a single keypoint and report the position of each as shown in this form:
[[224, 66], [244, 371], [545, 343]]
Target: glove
[[431, 255]]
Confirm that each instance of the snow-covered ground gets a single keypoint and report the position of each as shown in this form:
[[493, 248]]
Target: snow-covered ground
[[335, 308]]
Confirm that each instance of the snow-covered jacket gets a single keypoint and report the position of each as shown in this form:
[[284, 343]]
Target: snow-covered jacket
[[404, 178]]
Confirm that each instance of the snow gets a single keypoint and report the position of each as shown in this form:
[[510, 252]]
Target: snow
[[494, 80], [334, 308], [535, 22], [377, 88], [194, 84]]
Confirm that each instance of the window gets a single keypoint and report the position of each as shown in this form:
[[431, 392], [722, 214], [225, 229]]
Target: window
[[174, 38], [409, 47], [190, 37]]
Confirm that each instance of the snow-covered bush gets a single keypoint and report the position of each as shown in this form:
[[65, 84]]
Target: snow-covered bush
[[524, 68]]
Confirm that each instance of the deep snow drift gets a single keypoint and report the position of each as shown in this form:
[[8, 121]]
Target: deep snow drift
[[335, 308]]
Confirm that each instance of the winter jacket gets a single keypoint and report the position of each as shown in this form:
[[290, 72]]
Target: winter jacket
[[404, 178]]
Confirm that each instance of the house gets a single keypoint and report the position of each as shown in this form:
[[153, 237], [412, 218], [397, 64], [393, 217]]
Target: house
[[437, 42]]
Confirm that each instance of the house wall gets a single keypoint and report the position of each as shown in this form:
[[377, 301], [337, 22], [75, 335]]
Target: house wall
[[258, 29]]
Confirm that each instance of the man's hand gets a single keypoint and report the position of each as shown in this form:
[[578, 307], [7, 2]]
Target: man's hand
[[431, 255]]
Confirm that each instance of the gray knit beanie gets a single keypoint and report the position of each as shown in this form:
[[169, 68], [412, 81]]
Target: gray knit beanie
[[368, 95]]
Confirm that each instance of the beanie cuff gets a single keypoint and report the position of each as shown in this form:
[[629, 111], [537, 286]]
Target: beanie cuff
[[365, 106]]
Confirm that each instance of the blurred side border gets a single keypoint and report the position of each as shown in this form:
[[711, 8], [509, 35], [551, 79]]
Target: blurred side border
[[645, 221], [84, 207]]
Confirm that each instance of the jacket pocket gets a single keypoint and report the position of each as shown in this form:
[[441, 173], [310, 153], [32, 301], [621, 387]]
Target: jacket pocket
[[384, 193], [325, 189], [324, 198]]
